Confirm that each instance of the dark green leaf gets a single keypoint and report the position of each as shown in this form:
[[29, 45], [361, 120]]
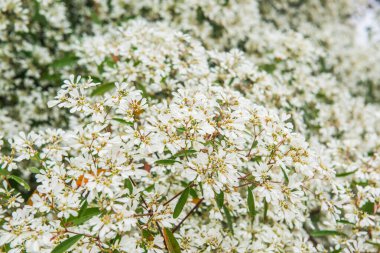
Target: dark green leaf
[[346, 222], [171, 241], [344, 174], [219, 199], [20, 181], [101, 89], [181, 202], [229, 218], [322, 233], [368, 207], [67, 244], [34, 170], [166, 162], [149, 188], [68, 59], [185, 153], [193, 193], [285, 176], [265, 210], [83, 208], [251, 203], [86, 215], [123, 121], [129, 185]]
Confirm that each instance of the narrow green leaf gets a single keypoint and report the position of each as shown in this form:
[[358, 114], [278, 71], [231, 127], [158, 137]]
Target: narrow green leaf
[[123, 121], [20, 181], [254, 144], [344, 174], [368, 207], [185, 153], [346, 222], [67, 60], [265, 210], [322, 233], [101, 89], [374, 244], [85, 216], [166, 162], [193, 193], [129, 185], [34, 170], [180, 130], [141, 87], [171, 241], [219, 198], [229, 218], [181, 202], [83, 208], [149, 188], [285, 176], [67, 244], [251, 203]]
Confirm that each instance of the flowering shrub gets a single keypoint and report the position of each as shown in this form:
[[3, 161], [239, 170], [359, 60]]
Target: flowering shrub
[[188, 126]]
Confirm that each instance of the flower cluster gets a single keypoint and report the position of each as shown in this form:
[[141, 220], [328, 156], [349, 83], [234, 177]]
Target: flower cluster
[[203, 126]]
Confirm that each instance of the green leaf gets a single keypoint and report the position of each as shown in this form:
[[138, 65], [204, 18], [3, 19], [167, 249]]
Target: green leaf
[[285, 176], [374, 244], [251, 203], [34, 170], [368, 207], [6, 247], [344, 174], [101, 89], [129, 185], [171, 241], [345, 222], [322, 233], [185, 153], [181, 202], [4, 172], [67, 244], [83, 208], [20, 181], [229, 218], [166, 162], [141, 87], [219, 198], [269, 68], [123, 121], [265, 210], [149, 188], [180, 130], [85, 216], [193, 193], [68, 59]]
